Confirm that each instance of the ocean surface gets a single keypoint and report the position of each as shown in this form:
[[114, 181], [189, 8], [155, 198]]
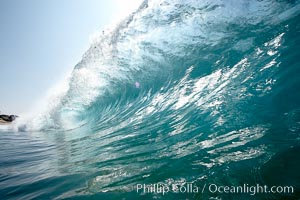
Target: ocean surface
[[181, 91]]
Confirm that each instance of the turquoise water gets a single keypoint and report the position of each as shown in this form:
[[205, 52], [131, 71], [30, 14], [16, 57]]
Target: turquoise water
[[200, 92]]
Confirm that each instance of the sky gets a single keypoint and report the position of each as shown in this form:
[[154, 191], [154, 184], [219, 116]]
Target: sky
[[42, 40]]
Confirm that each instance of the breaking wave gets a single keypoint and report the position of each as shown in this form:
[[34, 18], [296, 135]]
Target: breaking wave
[[182, 91]]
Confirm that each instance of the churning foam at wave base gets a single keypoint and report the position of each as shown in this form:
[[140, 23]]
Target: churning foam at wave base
[[35, 120]]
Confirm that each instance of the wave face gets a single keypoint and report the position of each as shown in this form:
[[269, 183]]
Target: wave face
[[180, 91]]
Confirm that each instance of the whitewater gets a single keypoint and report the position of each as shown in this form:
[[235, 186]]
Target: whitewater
[[199, 92]]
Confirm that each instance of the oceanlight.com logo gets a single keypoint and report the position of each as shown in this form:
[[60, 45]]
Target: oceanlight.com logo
[[164, 189], [252, 190]]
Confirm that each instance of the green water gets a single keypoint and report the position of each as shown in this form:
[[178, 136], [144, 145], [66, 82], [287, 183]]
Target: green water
[[200, 93]]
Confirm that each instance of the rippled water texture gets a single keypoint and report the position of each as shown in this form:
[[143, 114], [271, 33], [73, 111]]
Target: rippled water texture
[[180, 91]]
